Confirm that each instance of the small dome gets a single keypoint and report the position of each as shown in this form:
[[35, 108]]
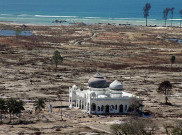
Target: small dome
[[74, 87], [98, 75], [116, 85], [97, 81]]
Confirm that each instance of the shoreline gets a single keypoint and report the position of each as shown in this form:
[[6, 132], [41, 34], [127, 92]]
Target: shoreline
[[71, 20], [83, 24]]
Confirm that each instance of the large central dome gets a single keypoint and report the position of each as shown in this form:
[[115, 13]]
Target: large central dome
[[97, 81]]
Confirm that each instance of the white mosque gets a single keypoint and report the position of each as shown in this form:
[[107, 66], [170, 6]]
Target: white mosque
[[101, 97]]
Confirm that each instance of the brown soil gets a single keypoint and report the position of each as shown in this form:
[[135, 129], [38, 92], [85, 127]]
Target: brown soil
[[137, 56]]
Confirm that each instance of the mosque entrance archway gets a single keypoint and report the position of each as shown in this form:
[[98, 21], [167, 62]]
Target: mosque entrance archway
[[107, 109], [121, 108], [93, 107]]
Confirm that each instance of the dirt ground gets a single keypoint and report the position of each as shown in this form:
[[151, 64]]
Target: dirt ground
[[137, 56]]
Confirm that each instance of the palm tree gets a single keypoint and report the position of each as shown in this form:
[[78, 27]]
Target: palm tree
[[57, 58], [146, 9], [39, 104], [172, 13], [165, 14], [181, 16], [165, 88], [2, 107]]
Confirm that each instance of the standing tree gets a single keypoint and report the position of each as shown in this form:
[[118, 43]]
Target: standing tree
[[39, 104], [165, 88], [2, 107], [173, 58], [180, 12], [165, 14], [14, 107], [146, 9], [172, 13], [10, 107], [57, 58], [19, 107]]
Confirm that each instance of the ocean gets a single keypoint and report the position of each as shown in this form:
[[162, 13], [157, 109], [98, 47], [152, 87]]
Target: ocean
[[88, 11]]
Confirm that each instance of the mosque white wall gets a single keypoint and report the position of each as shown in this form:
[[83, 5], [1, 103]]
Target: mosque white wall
[[109, 106]]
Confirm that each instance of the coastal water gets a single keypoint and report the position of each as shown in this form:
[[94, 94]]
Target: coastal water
[[14, 33], [87, 11]]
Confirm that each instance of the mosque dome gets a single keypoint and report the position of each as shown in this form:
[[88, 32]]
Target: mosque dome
[[116, 85], [74, 87], [97, 81]]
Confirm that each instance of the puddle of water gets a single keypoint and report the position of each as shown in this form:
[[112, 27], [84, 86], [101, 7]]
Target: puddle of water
[[14, 33], [146, 116], [176, 40]]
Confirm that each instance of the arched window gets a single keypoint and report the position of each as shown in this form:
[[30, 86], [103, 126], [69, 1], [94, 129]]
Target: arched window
[[121, 108], [98, 108], [126, 107], [116, 107], [93, 107], [130, 109], [112, 107], [107, 109], [102, 108]]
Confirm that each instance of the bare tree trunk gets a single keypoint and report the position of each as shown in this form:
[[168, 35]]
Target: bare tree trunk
[[146, 21], [56, 67], [9, 117], [1, 117], [166, 98]]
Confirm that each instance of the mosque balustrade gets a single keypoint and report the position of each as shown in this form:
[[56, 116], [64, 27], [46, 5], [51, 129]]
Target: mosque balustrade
[[110, 98]]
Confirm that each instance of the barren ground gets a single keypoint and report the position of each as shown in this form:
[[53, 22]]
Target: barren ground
[[137, 56]]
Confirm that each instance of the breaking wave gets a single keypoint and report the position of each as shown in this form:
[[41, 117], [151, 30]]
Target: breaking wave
[[48, 16]]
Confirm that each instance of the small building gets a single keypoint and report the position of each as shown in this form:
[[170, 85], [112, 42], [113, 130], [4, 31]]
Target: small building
[[101, 97]]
